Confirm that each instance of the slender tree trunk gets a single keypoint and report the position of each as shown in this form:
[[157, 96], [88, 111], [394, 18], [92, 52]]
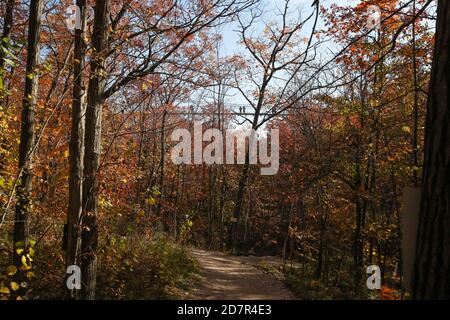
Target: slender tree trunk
[[415, 155], [89, 234], [239, 202], [359, 218], [27, 134], [289, 234], [322, 230], [212, 182], [7, 27], [432, 267], [161, 169], [223, 190], [76, 146], [246, 171], [140, 156]]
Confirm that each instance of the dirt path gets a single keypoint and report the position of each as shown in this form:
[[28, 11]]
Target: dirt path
[[230, 277]]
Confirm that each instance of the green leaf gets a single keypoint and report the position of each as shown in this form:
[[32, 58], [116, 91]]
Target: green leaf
[[6, 50], [9, 62], [155, 191], [48, 67], [20, 244]]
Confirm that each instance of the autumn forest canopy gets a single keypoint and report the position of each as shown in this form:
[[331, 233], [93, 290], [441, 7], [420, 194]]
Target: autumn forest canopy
[[145, 141]]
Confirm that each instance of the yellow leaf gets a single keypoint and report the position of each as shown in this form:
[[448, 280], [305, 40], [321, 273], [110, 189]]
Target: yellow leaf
[[30, 274], [24, 261], [406, 129], [31, 252], [11, 270], [15, 286], [19, 251], [151, 201], [66, 153], [19, 298], [4, 290]]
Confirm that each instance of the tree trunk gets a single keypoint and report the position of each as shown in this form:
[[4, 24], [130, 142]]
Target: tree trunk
[[161, 172], [432, 267], [89, 234], [239, 202], [246, 171], [7, 27], [415, 155], [27, 134], [76, 146], [357, 237], [223, 190], [322, 234]]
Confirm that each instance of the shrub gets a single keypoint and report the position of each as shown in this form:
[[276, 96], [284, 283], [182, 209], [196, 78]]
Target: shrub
[[144, 269]]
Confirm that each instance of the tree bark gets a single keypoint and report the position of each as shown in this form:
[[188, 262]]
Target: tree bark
[[432, 267], [163, 225], [89, 233], [243, 181], [232, 239], [76, 146], [27, 134], [415, 155], [7, 27]]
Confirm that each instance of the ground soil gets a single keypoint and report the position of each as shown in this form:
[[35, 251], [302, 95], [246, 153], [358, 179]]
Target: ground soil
[[236, 278]]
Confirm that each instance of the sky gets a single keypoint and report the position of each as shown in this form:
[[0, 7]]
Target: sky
[[230, 38], [231, 45]]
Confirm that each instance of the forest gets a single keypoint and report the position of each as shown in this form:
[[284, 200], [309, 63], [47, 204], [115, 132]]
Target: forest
[[224, 149]]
